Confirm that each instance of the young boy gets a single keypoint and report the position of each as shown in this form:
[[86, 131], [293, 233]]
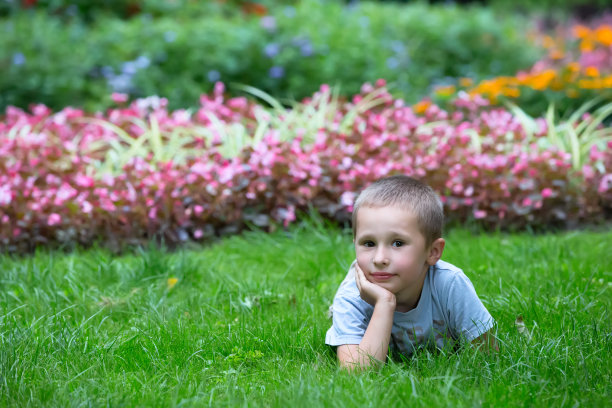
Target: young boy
[[398, 292]]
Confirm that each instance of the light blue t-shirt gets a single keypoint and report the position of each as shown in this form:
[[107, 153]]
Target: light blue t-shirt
[[448, 310]]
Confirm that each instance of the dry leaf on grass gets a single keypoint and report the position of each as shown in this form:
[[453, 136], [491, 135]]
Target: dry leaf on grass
[[521, 327]]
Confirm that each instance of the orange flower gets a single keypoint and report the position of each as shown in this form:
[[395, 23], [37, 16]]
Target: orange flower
[[591, 71], [586, 45], [542, 80], [421, 107], [589, 84], [581, 31], [603, 34], [573, 67], [511, 92]]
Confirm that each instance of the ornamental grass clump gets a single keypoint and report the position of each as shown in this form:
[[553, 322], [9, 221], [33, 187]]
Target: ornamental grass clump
[[141, 172]]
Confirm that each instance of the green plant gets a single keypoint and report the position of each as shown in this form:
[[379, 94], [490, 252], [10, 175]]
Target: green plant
[[576, 135], [288, 54], [44, 60]]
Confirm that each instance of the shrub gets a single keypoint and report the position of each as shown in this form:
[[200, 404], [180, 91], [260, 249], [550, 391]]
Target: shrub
[[62, 62], [45, 60], [89, 11]]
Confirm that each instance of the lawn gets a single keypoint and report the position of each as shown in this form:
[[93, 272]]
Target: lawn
[[242, 323]]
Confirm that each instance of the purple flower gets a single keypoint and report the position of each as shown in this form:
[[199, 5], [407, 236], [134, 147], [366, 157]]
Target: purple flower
[[213, 75], [299, 41], [18, 59], [397, 47], [268, 23], [129, 68], [142, 62], [306, 49], [392, 63], [107, 72], [276, 72], [121, 83], [271, 50]]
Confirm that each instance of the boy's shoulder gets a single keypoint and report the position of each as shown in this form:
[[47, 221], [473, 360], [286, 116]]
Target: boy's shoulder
[[444, 275], [447, 269]]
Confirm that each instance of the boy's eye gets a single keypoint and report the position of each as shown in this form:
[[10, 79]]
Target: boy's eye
[[368, 244], [397, 243]]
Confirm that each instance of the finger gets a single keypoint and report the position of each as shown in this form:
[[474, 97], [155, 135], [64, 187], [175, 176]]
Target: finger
[[359, 273], [363, 281], [362, 276]]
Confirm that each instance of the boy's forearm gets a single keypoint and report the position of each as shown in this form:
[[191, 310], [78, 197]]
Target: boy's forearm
[[375, 341]]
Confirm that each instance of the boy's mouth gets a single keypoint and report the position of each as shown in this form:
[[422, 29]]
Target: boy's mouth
[[381, 276]]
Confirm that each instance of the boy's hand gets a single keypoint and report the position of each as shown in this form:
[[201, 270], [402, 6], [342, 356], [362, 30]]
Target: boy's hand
[[370, 292]]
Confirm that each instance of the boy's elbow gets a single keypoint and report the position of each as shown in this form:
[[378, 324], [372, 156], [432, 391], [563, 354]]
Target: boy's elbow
[[352, 358], [486, 342], [348, 356]]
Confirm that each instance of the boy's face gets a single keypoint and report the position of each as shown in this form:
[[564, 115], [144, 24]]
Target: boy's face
[[391, 250]]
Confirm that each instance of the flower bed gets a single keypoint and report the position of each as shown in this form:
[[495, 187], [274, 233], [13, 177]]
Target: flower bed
[[142, 171]]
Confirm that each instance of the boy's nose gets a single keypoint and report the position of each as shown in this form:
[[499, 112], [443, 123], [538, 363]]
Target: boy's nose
[[380, 257]]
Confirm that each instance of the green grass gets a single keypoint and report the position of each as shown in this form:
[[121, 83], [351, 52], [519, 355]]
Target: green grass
[[245, 326]]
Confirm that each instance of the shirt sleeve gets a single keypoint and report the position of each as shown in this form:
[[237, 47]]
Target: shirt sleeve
[[468, 317], [351, 316]]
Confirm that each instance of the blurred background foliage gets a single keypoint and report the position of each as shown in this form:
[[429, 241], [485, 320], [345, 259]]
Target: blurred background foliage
[[76, 53]]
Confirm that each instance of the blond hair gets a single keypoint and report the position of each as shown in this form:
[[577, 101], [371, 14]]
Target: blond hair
[[409, 194]]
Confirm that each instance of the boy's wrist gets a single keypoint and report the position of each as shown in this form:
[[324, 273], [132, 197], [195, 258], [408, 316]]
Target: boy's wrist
[[386, 302]]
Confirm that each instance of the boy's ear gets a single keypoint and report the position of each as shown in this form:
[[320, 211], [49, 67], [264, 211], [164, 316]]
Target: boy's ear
[[435, 251]]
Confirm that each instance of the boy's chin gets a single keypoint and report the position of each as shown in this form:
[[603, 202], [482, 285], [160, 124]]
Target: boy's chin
[[386, 285]]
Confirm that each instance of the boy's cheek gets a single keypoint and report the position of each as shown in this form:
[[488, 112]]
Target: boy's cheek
[[364, 268]]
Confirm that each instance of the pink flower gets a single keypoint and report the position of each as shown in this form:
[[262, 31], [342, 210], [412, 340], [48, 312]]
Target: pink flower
[[119, 97], [478, 214], [547, 192], [83, 181], [86, 207], [288, 215], [197, 234], [54, 219], [605, 184], [5, 195], [347, 198]]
